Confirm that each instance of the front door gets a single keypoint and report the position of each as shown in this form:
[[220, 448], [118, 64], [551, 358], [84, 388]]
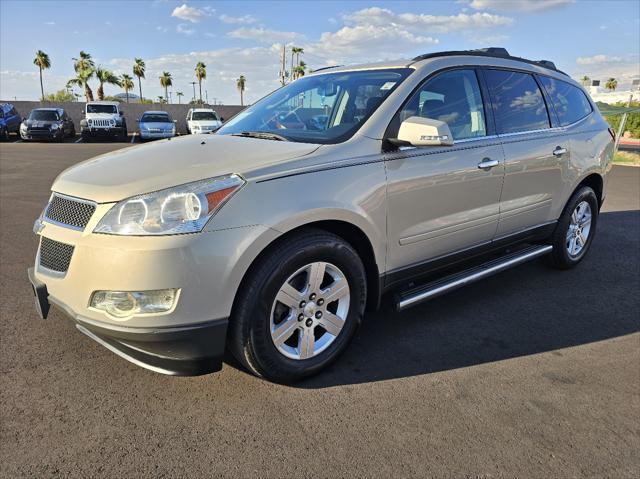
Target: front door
[[439, 200]]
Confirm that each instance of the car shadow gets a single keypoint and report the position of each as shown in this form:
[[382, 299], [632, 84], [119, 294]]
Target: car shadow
[[527, 310]]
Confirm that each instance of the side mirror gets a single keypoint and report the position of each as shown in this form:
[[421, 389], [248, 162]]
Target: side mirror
[[121, 113], [418, 131], [138, 120], [221, 119], [175, 121]]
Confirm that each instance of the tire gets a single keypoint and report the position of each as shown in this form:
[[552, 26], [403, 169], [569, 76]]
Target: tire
[[575, 230], [256, 312], [4, 134]]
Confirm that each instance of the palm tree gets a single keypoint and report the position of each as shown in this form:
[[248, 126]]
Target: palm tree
[[161, 99], [299, 51], [611, 84], [166, 82], [201, 74], [585, 80], [138, 70], [240, 83], [42, 62], [85, 68], [127, 84], [82, 80], [105, 76], [299, 70], [179, 94], [294, 51]]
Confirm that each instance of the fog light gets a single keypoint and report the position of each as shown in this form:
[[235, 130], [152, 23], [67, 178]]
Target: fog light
[[122, 304]]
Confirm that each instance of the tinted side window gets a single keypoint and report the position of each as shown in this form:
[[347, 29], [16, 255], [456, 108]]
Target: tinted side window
[[517, 101], [569, 102], [453, 97]]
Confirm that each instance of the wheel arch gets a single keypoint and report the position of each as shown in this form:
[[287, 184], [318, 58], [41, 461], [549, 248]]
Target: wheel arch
[[350, 233], [595, 181]]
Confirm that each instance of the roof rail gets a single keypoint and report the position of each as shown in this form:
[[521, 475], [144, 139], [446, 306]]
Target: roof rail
[[495, 52], [325, 68]]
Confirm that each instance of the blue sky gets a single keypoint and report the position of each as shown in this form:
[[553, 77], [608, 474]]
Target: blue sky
[[597, 38]]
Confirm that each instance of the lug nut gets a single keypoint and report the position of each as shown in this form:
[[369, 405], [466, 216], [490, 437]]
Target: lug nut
[[312, 297], [318, 314], [303, 304], [309, 322], [300, 317], [320, 302]]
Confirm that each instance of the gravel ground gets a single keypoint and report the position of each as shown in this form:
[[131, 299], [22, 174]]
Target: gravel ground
[[531, 373]]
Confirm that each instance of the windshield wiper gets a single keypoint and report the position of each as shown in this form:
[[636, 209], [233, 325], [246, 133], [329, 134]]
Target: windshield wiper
[[264, 135]]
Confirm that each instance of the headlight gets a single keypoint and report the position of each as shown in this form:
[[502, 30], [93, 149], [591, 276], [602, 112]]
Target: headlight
[[196, 127], [54, 126], [112, 122], [23, 127], [177, 210]]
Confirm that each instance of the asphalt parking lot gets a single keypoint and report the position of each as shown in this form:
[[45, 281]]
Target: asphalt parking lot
[[531, 373]]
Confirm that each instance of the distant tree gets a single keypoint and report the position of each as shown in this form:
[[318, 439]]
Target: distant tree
[[611, 84], [85, 69], [585, 80], [179, 94], [240, 83], [43, 62], [166, 82], [161, 99], [105, 76], [201, 74], [127, 84], [138, 70], [60, 96]]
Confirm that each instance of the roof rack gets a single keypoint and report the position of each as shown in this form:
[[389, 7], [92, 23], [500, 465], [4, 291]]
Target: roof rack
[[495, 52], [325, 68]]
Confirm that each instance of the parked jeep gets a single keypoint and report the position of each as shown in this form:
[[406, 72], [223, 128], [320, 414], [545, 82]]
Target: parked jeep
[[273, 236], [103, 119], [9, 121]]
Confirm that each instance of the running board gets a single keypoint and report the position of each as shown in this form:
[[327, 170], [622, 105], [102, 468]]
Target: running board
[[458, 280]]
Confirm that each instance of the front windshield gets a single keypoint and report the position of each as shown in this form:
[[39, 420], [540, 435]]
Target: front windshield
[[204, 116], [155, 118], [327, 108], [102, 109], [44, 115]]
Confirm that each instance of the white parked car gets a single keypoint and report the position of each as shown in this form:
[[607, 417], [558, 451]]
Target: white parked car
[[202, 120]]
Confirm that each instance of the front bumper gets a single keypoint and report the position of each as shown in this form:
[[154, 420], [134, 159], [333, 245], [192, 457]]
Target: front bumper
[[88, 131], [180, 351], [154, 135], [41, 134]]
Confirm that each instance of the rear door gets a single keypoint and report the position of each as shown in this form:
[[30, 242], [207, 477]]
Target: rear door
[[439, 200], [536, 153]]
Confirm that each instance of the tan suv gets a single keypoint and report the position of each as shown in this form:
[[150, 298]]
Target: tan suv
[[273, 236]]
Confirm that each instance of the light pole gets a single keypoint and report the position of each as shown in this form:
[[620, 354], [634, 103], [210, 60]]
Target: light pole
[[194, 91], [206, 96]]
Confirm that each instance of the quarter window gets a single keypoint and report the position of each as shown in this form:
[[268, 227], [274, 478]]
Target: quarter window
[[517, 101], [453, 97], [569, 102]]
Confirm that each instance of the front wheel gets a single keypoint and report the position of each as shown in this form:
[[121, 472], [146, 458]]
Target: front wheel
[[575, 229], [299, 307]]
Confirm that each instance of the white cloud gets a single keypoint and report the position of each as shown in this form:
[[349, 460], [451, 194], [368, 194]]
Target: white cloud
[[423, 23], [518, 5], [243, 20], [183, 28], [190, 14], [264, 35], [597, 60]]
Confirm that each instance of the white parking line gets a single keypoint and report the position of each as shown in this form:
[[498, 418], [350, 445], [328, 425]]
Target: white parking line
[[78, 140], [133, 138]]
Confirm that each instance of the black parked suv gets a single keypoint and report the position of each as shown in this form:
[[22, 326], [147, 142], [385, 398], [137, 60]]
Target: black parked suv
[[47, 124]]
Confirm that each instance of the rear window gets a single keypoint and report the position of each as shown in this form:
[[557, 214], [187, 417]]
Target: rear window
[[155, 118], [517, 101], [569, 102]]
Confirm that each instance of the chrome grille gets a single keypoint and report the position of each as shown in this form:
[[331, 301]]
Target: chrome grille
[[99, 122], [54, 255], [68, 211]]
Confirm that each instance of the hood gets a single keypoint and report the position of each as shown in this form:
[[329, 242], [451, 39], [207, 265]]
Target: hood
[[107, 116], [157, 124], [154, 166], [205, 122], [40, 122]]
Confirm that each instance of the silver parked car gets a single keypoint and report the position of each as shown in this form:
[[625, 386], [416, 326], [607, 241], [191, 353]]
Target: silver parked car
[[274, 236], [156, 124]]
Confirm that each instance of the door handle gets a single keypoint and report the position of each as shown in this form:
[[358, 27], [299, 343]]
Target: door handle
[[487, 163], [559, 151]]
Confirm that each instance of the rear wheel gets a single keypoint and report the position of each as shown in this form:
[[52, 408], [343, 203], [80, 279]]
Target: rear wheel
[[299, 308], [575, 230]]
